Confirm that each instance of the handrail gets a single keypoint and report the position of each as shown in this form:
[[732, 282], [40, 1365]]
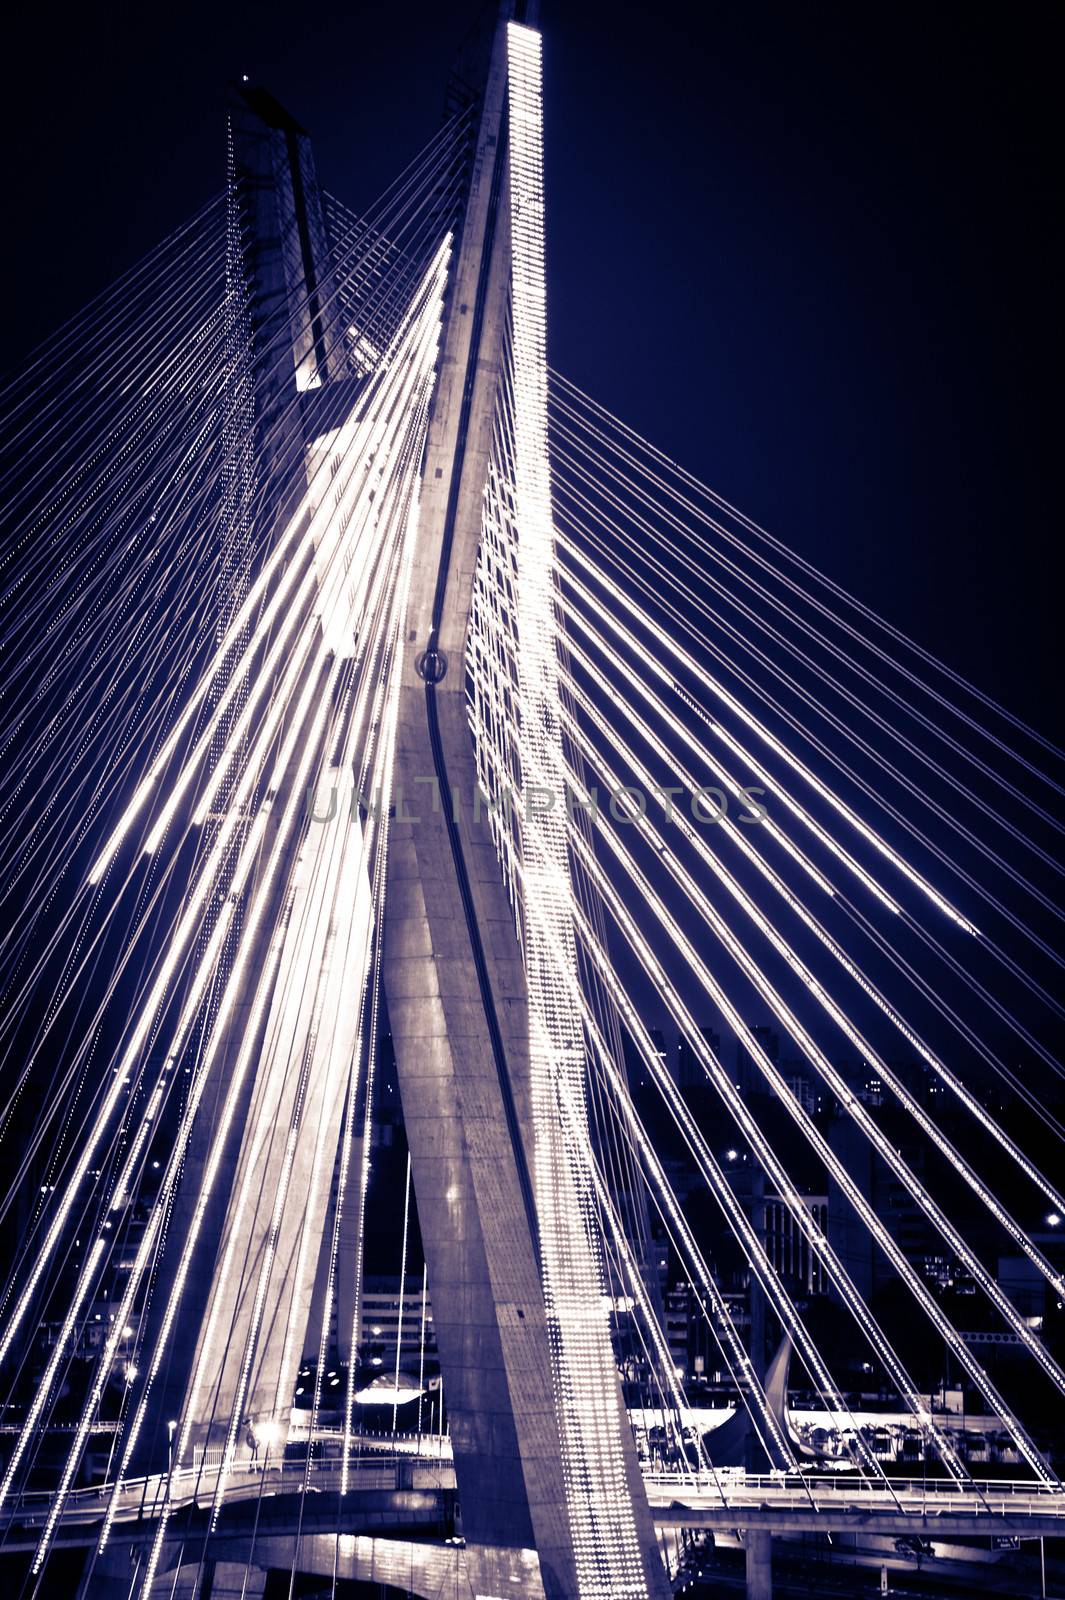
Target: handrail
[[726, 1488], [735, 1477]]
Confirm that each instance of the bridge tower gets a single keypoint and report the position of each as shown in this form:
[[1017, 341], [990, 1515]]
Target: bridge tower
[[453, 971], [533, 1512]]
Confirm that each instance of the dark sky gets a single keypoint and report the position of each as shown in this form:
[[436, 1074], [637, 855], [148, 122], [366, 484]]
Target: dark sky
[[812, 251]]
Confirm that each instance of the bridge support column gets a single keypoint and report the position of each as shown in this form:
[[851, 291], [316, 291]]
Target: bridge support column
[[759, 1551], [453, 971]]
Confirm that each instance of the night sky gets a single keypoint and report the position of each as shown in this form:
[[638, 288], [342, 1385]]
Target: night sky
[[811, 251]]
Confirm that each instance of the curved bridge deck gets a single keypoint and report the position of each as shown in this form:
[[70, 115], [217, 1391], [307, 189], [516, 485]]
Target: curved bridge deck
[[779, 1504], [407, 1490]]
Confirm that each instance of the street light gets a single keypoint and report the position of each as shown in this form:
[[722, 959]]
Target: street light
[[170, 1427]]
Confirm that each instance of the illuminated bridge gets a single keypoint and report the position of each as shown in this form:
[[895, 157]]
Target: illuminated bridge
[[386, 724], [388, 1496]]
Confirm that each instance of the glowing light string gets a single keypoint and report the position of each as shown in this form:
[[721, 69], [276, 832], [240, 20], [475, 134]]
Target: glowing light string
[[603, 1529]]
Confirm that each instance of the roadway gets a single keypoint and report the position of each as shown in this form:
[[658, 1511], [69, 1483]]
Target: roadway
[[407, 1488], [837, 1502]]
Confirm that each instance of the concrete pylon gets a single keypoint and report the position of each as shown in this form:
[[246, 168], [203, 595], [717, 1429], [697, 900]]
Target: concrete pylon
[[453, 970], [297, 355], [758, 1549], [293, 306]]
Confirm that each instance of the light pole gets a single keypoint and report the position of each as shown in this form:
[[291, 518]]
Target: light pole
[[170, 1427]]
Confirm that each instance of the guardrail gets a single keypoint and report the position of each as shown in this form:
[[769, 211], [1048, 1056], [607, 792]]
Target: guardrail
[[914, 1496], [731, 1477], [144, 1496], [378, 1468]]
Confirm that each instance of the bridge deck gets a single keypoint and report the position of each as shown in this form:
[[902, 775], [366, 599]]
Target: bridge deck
[[404, 1488], [780, 1504]]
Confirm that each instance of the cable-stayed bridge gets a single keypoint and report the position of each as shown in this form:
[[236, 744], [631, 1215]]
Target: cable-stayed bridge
[[381, 713]]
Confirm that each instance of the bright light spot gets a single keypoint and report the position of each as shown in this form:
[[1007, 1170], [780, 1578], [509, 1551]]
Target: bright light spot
[[386, 1391]]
